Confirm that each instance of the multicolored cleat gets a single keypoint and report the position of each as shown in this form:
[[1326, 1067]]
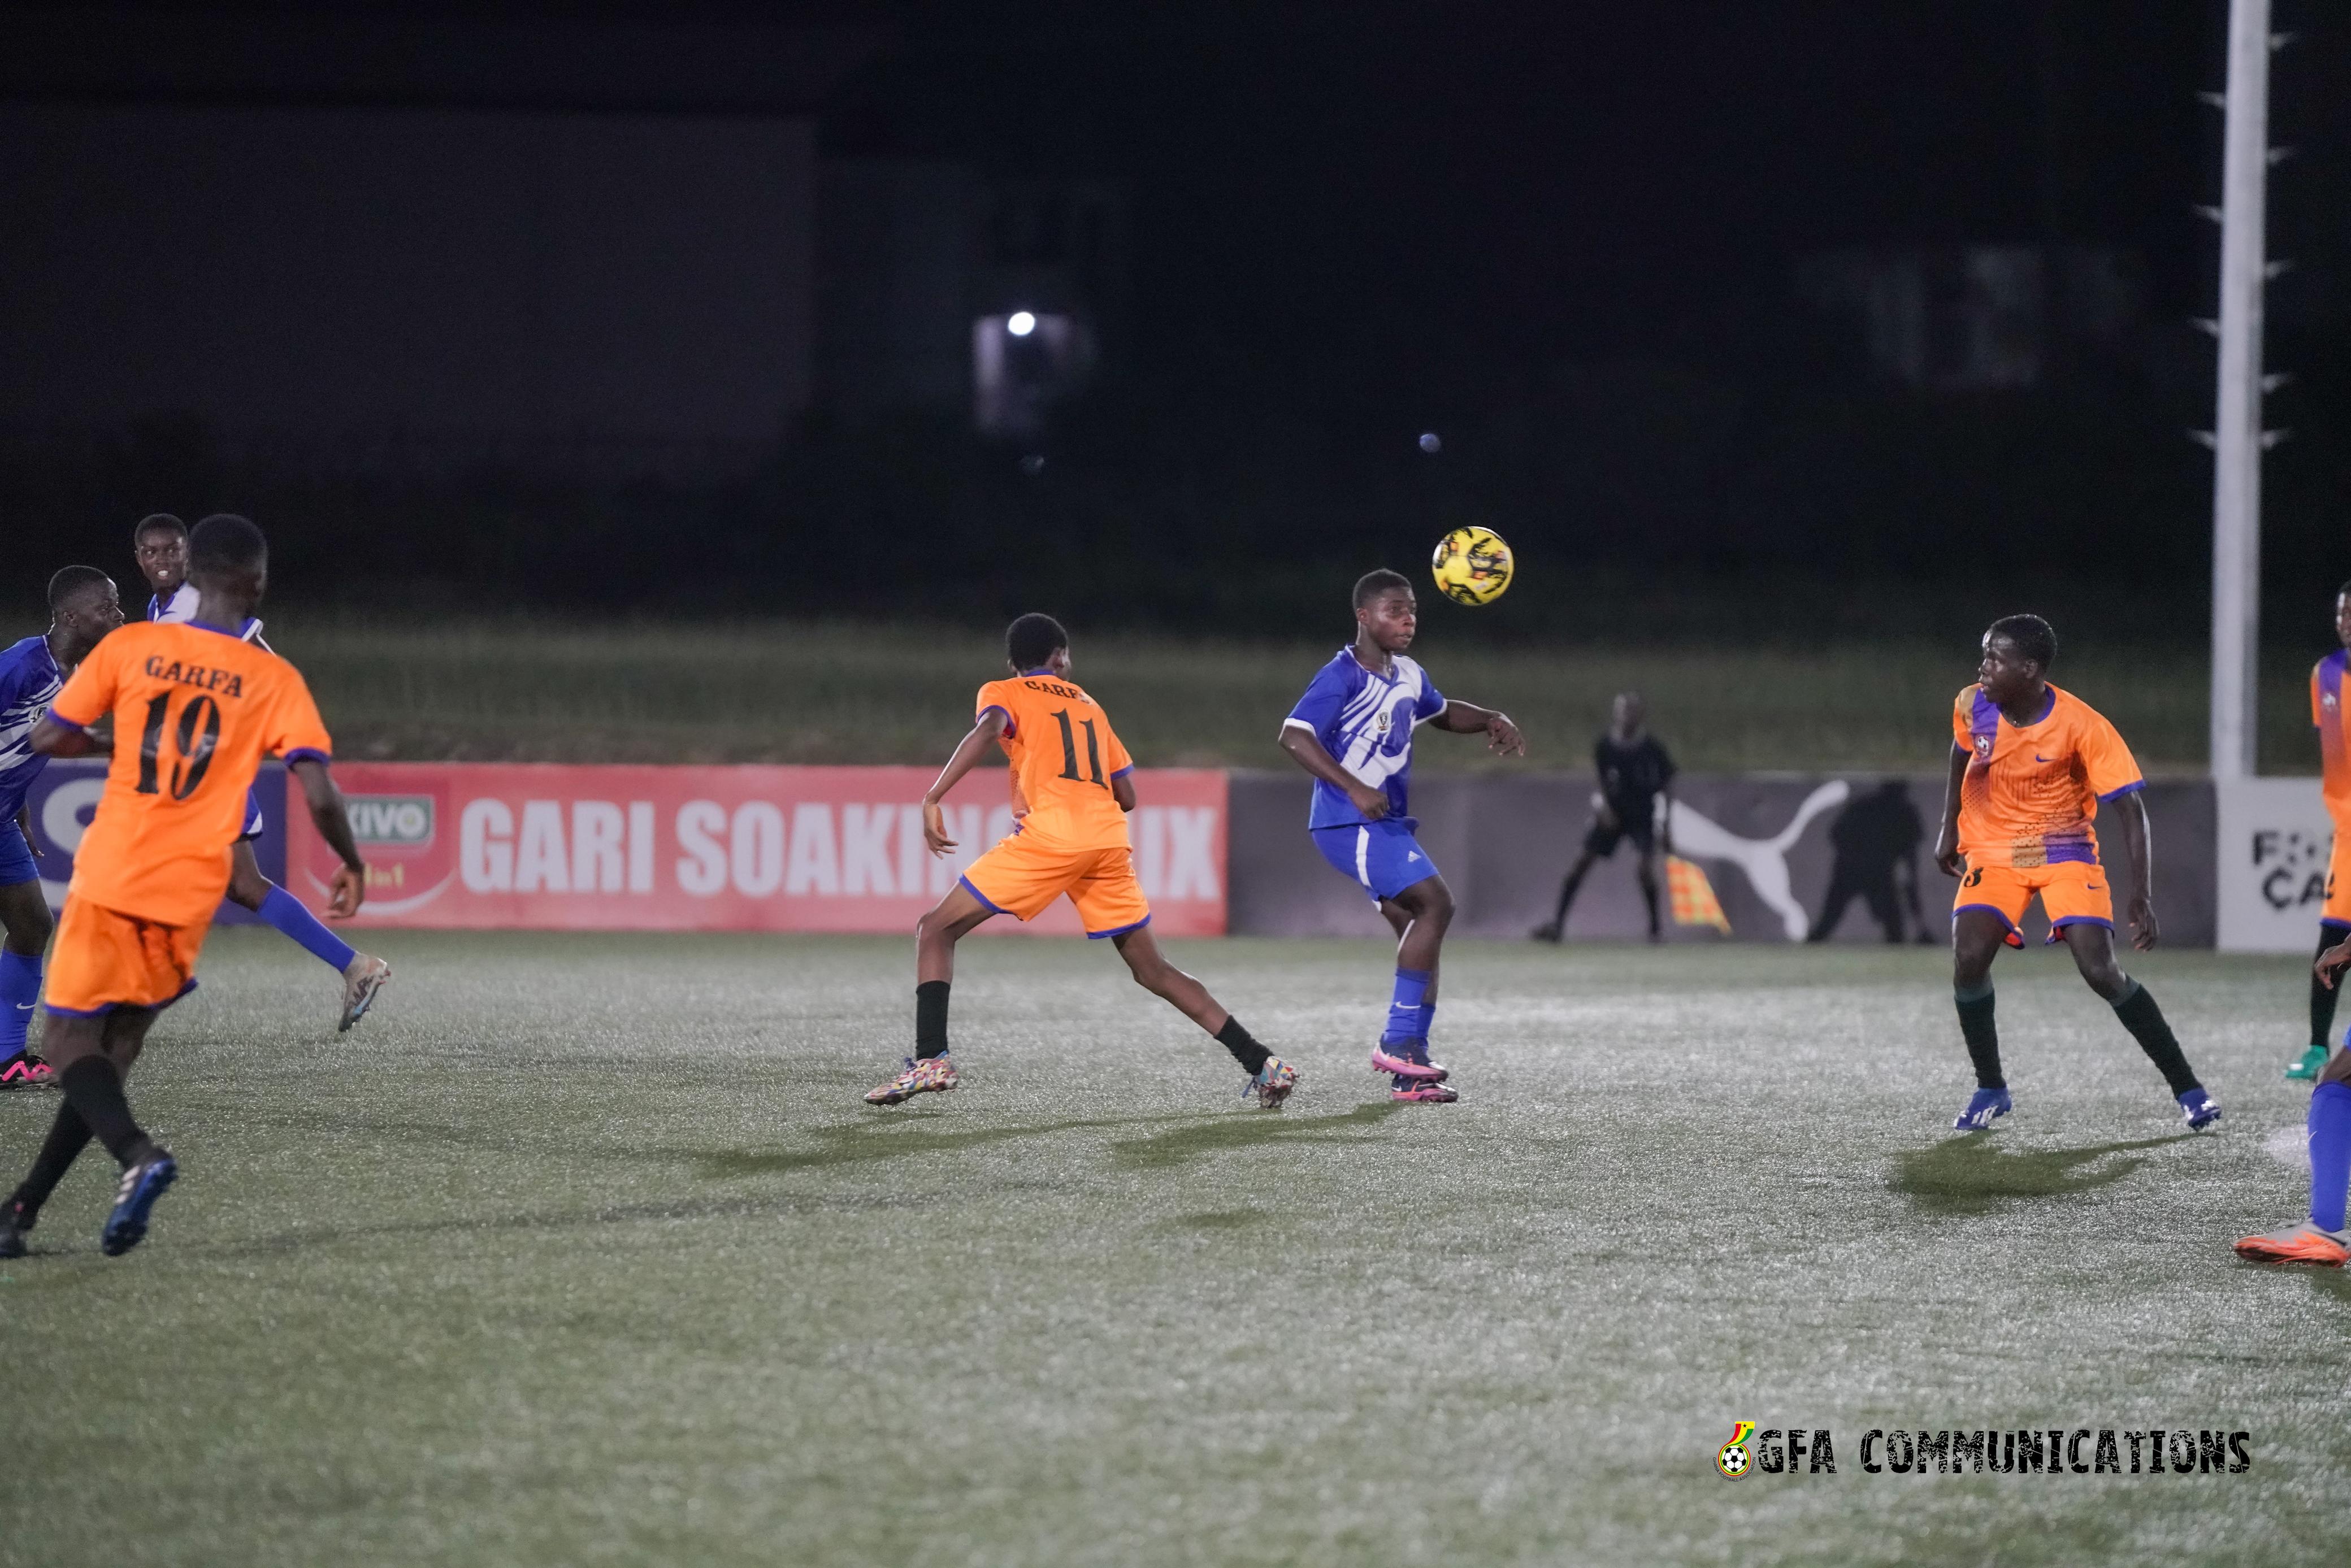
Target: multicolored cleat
[[1984, 1107], [1408, 1062], [2308, 1065], [2200, 1109], [2304, 1243], [142, 1183], [26, 1071], [1273, 1083], [924, 1075], [362, 981], [1424, 1092]]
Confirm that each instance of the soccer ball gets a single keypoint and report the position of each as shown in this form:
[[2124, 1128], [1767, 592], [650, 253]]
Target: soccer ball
[[1472, 566], [1732, 1461]]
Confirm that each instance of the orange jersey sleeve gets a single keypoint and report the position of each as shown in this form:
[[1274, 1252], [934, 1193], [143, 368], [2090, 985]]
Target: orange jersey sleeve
[[1064, 757], [194, 711], [2107, 766], [2333, 744]]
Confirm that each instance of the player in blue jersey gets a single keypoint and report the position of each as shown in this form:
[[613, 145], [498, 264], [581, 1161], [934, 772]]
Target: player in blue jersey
[[1352, 731], [83, 608], [160, 545]]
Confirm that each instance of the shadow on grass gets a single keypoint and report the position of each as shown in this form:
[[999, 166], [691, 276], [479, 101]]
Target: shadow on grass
[[1163, 1150], [1971, 1173], [1219, 1219], [856, 1142]]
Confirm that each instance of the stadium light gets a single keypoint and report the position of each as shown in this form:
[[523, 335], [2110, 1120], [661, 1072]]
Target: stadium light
[[1021, 323]]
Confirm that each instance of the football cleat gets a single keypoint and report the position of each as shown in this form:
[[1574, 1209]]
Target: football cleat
[[1549, 931], [26, 1071], [2200, 1109], [142, 1183], [1415, 1064], [1273, 1083], [2304, 1243], [14, 1223], [1424, 1092], [2308, 1065], [924, 1075], [1983, 1107], [362, 981]]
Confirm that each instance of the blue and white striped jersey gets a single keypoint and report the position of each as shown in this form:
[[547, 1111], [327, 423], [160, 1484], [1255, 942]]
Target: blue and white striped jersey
[[30, 679], [1366, 722], [182, 607]]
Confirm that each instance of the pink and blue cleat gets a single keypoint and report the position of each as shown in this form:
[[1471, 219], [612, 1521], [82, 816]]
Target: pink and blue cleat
[[26, 1071], [1422, 1091], [1409, 1059]]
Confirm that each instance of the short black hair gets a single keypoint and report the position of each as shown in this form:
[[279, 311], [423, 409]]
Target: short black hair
[[1033, 639], [157, 523], [225, 542], [1372, 584], [70, 580], [2033, 638]]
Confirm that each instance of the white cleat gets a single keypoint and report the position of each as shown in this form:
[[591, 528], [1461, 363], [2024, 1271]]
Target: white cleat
[[366, 976]]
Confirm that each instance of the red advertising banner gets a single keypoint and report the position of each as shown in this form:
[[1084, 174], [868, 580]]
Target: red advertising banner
[[553, 847]]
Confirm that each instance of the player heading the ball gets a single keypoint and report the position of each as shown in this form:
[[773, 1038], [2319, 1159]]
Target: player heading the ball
[[1353, 730], [1072, 786]]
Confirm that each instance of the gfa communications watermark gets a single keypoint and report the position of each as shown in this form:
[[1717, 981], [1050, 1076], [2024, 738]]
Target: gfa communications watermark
[[2054, 1450]]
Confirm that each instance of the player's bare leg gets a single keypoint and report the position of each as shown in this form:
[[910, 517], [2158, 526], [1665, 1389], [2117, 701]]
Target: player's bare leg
[[2093, 946], [1419, 915], [25, 917], [363, 974], [1977, 936], [931, 1071], [93, 1056], [1271, 1078]]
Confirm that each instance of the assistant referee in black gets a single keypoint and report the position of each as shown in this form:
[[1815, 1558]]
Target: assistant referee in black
[[1636, 775]]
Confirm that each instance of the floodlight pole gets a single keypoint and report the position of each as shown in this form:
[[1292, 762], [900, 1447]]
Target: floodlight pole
[[2236, 436]]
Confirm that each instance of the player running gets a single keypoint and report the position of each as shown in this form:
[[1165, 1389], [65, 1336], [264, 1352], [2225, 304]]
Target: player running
[[2326, 712], [160, 543], [2030, 765], [1072, 786], [206, 705], [2322, 1238], [83, 608], [1353, 730]]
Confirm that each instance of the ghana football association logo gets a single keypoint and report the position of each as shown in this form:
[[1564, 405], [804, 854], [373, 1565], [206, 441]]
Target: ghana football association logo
[[1733, 1460]]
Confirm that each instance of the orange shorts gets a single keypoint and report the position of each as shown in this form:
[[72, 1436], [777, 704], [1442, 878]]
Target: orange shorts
[[1021, 877], [104, 959], [2337, 910], [2073, 893]]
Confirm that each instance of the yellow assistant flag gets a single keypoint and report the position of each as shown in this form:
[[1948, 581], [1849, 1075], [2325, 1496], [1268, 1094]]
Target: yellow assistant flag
[[1693, 897]]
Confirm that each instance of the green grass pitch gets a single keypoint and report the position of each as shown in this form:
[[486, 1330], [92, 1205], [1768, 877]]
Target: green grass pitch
[[586, 1250]]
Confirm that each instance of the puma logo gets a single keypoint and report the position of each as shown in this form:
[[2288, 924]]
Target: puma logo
[[1764, 861]]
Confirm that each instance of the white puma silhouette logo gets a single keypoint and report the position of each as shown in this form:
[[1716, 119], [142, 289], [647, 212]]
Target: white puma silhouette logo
[[1765, 862]]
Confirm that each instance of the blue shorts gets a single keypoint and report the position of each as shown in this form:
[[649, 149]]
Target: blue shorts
[[17, 865], [253, 822], [1382, 855]]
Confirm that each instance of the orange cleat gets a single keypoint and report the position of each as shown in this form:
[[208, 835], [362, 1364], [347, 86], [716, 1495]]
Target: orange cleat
[[2304, 1243]]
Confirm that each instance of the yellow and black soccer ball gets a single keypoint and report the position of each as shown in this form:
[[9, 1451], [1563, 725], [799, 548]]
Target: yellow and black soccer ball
[[1472, 566]]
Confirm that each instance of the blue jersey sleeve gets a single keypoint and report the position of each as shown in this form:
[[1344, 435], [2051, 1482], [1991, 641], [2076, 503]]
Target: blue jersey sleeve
[[1327, 693], [1431, 703]]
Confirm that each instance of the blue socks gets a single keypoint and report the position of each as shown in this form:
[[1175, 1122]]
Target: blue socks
[[1408, 1013], [284, 911], [20, 988], [2330, 1153]]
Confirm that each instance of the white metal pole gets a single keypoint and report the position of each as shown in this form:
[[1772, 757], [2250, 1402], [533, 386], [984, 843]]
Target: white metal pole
[[2237, 418]]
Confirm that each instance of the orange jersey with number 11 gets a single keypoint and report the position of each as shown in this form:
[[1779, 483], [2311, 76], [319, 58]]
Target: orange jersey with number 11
[[1064, 755], [195, 709]]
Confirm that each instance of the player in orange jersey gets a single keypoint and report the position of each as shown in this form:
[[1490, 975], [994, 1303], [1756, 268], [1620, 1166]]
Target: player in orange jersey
[[1072, 786], [195, 707], [2328, 714], [2030, 765]]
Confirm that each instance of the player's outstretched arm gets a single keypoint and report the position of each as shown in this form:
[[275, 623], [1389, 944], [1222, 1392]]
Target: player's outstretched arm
[[1947, 837], [1310, 753], [348, 890], [1502, 737], [51, 739], [2330, 964], [2131, 811], [967, 753]]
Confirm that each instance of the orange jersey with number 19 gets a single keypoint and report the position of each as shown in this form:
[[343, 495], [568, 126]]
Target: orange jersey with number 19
[[1064, 755], [195, 709]]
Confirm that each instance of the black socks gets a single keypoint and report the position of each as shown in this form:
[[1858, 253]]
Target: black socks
[[1984, 1038], [2323, 995], [94, 1089], [2139, 1013], [69, 1135], [1245, 1051], [931, 1019]]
